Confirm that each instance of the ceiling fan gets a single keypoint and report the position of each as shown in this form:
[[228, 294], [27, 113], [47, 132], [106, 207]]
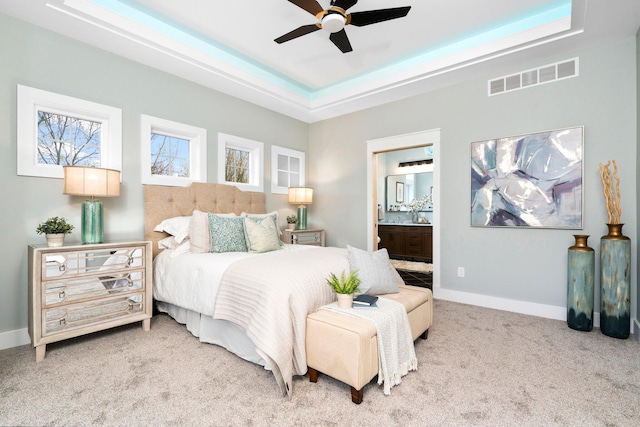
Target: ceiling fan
[[336, 18]]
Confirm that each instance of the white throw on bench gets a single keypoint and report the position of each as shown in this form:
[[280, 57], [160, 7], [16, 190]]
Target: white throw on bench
[[346, 347]]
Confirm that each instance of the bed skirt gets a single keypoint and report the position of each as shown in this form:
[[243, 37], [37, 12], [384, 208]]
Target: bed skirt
[[213, 331]]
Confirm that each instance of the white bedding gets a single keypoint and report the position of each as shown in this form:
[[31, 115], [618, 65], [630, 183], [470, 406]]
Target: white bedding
[[191, 280], [266, 295]]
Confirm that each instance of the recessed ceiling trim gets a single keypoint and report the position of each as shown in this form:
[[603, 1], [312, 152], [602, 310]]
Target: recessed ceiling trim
[[219, 68]]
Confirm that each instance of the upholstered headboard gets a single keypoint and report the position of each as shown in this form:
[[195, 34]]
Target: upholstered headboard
[[162, 202]]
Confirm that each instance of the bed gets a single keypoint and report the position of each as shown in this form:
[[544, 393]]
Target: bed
[[253, 304]]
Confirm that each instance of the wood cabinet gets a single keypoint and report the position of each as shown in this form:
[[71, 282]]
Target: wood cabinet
[[79, 289], [303, 237], [410, 242]]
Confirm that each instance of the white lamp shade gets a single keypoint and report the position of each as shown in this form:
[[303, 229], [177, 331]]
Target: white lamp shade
[[300, 195], [89, 181]]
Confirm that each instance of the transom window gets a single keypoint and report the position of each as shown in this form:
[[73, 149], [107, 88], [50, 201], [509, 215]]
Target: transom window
[[56, 130], [287, 169], [237, 165], [173, 153], [169, 155], [240, 162], [68, 141]]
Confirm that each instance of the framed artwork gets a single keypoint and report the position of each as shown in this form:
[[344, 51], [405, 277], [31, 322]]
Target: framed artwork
[[532, 181], [400, 192]]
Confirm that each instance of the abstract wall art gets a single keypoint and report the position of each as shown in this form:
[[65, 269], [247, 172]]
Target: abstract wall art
[[528, 181]]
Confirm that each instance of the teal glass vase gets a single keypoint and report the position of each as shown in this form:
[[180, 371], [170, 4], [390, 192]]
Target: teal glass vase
[[615, 283], [580, 284], [92, 221]]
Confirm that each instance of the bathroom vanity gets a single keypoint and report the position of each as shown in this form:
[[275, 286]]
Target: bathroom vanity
[[412, 242]]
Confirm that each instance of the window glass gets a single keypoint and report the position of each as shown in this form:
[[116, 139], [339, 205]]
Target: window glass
[[169, 156], [68, 141]]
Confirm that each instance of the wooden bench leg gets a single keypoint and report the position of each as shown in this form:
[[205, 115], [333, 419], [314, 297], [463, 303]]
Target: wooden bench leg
[[357, 395], [313, 375], [425, 335]]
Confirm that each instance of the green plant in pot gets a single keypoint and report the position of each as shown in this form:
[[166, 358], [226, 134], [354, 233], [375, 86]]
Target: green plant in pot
[[55, 228], [345, 286], [292, 220]]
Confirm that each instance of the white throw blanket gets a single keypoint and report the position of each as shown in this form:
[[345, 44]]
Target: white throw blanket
[[269, 298], [396, 353]]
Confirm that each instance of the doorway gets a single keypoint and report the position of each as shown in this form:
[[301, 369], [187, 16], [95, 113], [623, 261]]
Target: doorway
[[394, 143]]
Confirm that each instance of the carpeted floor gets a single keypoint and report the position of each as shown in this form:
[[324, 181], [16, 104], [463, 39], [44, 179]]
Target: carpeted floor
[[479, 367]]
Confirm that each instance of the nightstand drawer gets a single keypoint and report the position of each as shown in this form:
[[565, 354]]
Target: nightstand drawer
[[73, 316], [307, 238], [303, 237], [77, 263], [69, 291]]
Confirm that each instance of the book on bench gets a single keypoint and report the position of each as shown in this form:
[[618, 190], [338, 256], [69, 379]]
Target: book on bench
[[365, 301]]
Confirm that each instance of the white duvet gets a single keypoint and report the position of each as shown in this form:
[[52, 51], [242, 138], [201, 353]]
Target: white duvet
[[268, 296]]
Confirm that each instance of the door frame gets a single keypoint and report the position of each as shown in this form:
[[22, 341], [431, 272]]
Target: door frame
[[395, 143]]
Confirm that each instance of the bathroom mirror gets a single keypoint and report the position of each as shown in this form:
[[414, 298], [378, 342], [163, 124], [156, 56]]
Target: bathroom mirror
[[403, 189]]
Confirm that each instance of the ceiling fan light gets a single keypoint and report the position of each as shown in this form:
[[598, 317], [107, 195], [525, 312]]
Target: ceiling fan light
[[333, 22]]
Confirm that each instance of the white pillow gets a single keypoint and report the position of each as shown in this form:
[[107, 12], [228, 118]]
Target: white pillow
[[261, 234], [168, 243], [177, 226], [375, 271]]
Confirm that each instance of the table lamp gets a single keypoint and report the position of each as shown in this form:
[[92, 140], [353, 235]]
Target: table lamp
[[92, 182], [301, 196]]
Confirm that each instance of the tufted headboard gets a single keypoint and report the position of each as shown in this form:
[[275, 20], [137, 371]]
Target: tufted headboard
[[162, 202]]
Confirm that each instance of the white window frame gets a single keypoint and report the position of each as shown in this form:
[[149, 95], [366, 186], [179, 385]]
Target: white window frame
[[31, 100], [256, 161], [275, 152], [197, 138]]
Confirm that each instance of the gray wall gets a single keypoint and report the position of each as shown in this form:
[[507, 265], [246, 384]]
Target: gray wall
[[518, 264], [526, 265], [637, 270], [35, 57]]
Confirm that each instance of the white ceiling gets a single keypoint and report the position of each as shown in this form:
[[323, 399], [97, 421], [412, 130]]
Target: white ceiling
[[229, 46]]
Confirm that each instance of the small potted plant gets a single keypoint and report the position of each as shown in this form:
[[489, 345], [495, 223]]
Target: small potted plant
[[292, 220], [55, 229], [344, 286]]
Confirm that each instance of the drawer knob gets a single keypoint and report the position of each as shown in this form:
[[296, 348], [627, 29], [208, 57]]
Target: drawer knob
[[61, 295]]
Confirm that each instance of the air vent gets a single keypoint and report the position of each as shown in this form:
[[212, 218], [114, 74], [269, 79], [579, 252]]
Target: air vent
[[545, 74]]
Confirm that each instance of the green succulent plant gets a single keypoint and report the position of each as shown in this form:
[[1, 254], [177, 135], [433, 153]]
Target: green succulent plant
[[292, 219]]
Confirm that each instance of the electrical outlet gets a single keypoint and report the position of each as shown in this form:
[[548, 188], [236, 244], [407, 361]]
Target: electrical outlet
[[460, 271]]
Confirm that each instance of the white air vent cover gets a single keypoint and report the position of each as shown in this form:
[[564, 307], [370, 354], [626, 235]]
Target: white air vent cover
[[537, 76]]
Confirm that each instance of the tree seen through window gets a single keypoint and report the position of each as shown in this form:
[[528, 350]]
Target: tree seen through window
[[68, 141]]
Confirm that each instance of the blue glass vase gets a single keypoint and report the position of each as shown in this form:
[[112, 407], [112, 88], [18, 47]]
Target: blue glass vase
[[580, 284], [615, 283]]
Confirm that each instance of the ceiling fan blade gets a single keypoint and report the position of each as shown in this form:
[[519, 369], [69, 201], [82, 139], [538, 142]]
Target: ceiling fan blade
[[301, 31], [344, 4], [341, 40], [311, 6], [360, 19]]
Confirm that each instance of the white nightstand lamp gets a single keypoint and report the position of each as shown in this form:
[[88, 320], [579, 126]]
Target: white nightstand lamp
[[301, 196], [92, 182]]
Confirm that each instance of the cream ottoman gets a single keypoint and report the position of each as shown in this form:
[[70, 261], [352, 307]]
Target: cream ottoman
[[346, 348]]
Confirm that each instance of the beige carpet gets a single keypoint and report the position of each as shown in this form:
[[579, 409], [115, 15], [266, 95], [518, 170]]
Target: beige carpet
[[479, 367], [421, 267]]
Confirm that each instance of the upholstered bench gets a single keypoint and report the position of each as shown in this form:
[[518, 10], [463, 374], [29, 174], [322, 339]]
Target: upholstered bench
[[346, 348]]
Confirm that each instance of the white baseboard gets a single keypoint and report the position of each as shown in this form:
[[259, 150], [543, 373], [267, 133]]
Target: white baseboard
[[504, 304], [15, 338]]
